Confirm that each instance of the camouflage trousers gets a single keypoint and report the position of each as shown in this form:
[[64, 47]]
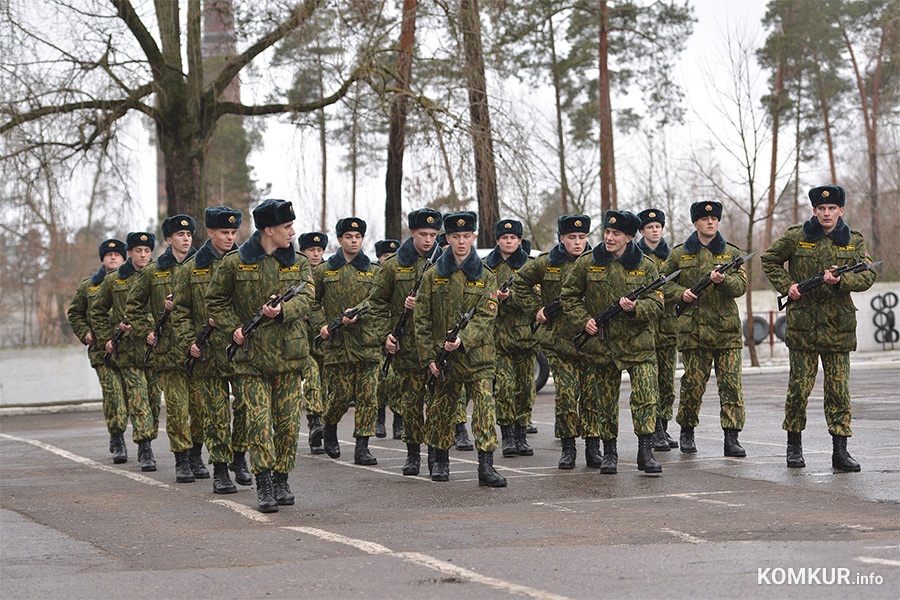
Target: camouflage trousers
[[273, 407], [223, 435], [312, 386], [352, 381], [804, 366], [388, 392], [514, 388], [567, 379], [697, 366], [184, 410], [154, 392], [439, 426], [460, 407], [413, 404], [115, 407], [137, 395], [666, 357], [601, 385]]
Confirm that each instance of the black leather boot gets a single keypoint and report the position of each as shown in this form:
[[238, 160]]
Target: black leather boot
[[118, 448], [413, 459], [265, 493], [239, 466], [221, 480], [686, 439], [530, 428], [840, 458], [795, 450], [397, 426], [379, 424], [329, 438], [522, 447], [567, 458], [462, 440], [441, 470], [361, 455], [660, 443], [195, 461], [592, 456], [315, 434], [672, 443], [507, 441], [145, 456], [431, 461], [610, 463], [281, 489], [732, 445], [182, 468], [487, 475], [646, 462]]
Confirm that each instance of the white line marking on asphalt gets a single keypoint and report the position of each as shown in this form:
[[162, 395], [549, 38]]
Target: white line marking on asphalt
[[87, 461], [243, 510], [684, 536], [555, 507], [365, 546], [857, 527], [367, 468], [871, 560], [683, 495]]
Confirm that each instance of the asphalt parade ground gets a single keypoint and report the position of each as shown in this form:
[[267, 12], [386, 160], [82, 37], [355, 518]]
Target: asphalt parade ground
[[73, 525]]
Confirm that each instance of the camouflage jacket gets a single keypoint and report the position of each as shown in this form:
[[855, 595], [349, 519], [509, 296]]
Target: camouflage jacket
[[715, 324], [512, 331], [147, 298], [242, 283], [449, 290], [190, 313], [547, 272], [827, 322], [339, 286], [79, 314], [665, 325], [597, 281], [393, 283], [108, 310]]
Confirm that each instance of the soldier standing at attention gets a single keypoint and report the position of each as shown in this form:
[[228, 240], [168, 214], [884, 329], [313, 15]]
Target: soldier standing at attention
[[388, 393], [459, 283], [106, 315], [654, 246], [312, 246], [268, 372], [351, 355], [548, 271], [516, 344], [390, 296], [822, 322], [709, 330], [598, 280], [212, 372], [115, 409]]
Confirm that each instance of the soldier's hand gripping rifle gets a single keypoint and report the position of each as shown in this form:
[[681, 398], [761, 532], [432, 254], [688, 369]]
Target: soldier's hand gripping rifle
[[257, 319], [505, 286], [811, 283], [338, 323], [116, 340], [157, 331], [603, 319], [697, 288], [443, 357], [551, 311], [404, 316], [201, 343]]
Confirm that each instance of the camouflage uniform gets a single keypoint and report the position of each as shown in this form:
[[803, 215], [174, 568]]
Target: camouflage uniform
[[664, 337]]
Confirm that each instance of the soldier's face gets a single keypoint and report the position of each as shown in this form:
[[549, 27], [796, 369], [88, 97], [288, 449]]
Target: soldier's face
[[508, 243], [314, 254], [112, 260], [574, 243], [461, 243], [222, 239], [351, 242], [180, 241], [140, 256], [281, 234], [652, 232], [423, 240], [707, 226], [615, 240], [828, 215]]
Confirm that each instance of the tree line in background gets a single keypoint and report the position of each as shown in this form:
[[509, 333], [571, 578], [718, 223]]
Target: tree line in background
[[529, 109]]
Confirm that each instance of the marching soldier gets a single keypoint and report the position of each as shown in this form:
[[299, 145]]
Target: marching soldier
[[212, 374], [390, 297], [312, 246], [351, 355], [557, 330], [107, 314], [516, 344], [709, 330], [388, 393], [821, 322], [459, 283], [115, 409], [267, 365], [654, 246], [598, 280]]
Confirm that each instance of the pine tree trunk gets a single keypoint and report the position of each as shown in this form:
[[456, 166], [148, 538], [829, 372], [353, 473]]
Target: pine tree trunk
[[560, 149], [607, 164], [776, 125]]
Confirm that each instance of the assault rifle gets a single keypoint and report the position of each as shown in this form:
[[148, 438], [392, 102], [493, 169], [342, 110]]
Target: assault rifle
[[406, 314], [697, 288], [201, 343], [443, 357], [256, 320], [551, 311], [157, 331], [338, 323], [606, 316], [116, 340], [807, 285], [505, 286]]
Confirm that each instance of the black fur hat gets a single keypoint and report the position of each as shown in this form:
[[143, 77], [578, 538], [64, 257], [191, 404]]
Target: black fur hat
[[424, 218], [386, 246], [504, 226], [624, 220], [313, 238], [464, 220], [573, 224], [112, 245], [222, 217], [706, 208], [178, 223], [140, 238], [350, 224], [827, 194], [272, 212], [652, 215]]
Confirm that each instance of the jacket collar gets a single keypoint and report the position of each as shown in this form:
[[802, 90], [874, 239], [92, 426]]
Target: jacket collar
[[252, 252], [98, 277], [360, 261], [126, 270], [515, 260], [558, 255], [630, 259], [840, 235], [661, 250], [167, 259], [472, 267], [206, 255], [716, 246], [407, 254]]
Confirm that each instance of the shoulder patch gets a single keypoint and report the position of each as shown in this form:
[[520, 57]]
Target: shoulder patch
[[492, 306]]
